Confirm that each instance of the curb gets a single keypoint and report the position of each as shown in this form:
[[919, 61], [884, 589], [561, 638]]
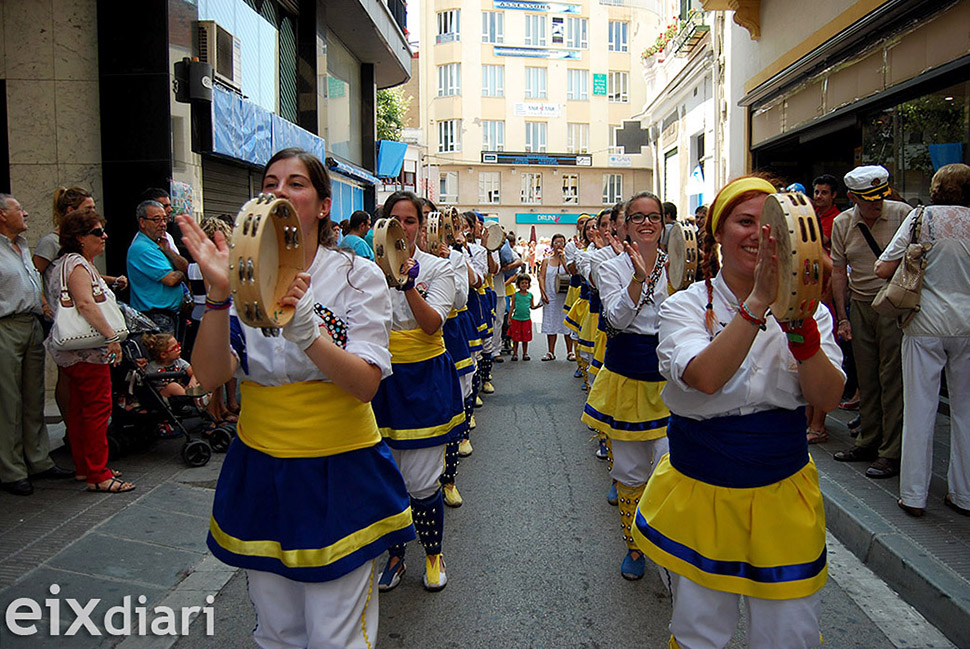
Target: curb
[[921, 580]]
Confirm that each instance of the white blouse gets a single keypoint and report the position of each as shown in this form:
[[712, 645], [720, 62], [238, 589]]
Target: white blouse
[[478, 258], [356, 291], [570, 251], [597, 258], [945, 297], [435, 283], [621, 312], [459, 263], [768, 376]]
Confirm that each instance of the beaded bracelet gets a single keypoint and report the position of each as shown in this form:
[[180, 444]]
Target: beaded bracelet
[[745, 313], [113, 339], [211, 305]]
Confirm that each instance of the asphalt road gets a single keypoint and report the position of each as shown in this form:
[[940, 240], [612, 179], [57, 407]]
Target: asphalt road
[[533, 555]]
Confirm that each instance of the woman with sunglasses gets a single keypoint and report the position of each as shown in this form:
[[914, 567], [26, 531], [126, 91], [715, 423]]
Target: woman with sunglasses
[[734, 510], [309, 496], [419, 407], [624, 402], [82, 238]]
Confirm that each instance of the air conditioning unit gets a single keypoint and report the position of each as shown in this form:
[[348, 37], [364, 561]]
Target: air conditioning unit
[[223, 52]]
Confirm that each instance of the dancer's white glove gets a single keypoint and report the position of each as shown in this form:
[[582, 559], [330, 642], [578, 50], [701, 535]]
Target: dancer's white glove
[[304, 328]]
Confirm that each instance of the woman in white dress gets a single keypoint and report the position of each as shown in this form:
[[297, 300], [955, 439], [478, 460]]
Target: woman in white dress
[[553, 301]]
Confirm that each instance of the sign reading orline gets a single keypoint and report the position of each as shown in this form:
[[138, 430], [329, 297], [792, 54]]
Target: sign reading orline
[[525, 218], [529, 5], [536, 53]]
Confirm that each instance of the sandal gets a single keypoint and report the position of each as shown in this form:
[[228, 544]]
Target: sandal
[[816, 436], [514, 357], [526, 357], [83, 478], [570, 356], [955, 507], [915, 512], [548, 357], [114, 486]]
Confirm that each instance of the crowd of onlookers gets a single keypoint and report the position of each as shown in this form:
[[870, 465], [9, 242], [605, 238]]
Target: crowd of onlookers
[[894, 373]]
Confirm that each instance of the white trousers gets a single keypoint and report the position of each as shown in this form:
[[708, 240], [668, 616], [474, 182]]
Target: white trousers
[[706, 619], [337, 614], [634, 462], [493, 345], [924, 359], [466, 384], [421, 468]]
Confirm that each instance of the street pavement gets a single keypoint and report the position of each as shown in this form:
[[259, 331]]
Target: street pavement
[[533, 555]]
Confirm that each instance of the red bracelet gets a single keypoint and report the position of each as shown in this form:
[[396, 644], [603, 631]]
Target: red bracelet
[[745, 313], [804, 340]]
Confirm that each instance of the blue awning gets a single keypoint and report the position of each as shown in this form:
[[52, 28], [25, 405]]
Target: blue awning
[[390, 157], [352, 171]]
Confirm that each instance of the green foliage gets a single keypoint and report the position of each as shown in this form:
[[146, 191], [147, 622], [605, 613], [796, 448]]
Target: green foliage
[[391, 107]]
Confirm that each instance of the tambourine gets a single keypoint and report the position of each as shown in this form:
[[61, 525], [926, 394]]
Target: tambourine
[[434, 222], [495, 236], [391, 250], [448, 225], [799, 251], [683, 255], [265, 255]]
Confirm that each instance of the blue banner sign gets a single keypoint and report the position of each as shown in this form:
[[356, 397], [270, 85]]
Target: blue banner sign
[[530, 5], [546, 219], [546, 159]]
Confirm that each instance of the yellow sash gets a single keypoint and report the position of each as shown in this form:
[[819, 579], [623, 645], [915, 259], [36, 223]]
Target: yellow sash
[[414, 346], [307, 419], [452, 314]]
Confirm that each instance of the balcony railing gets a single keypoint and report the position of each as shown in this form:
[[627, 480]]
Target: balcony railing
[[399, 10]]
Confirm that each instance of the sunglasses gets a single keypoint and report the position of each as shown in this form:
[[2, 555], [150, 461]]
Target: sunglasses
[[98, 232], [638, 217], [177, 347]]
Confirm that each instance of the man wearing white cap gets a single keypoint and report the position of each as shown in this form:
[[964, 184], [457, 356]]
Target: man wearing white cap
[[859, 235]]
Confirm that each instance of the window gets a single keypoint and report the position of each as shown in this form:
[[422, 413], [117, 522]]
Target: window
[[614, 148], [617, 87], [449, 80], [577, 85], [535, 30], [448, 187], [493, 27], [532, 188], [577, 137], [618, 37], [612, 188], [570, 189], [535, 137], [493, 81], [493, 135], [489, 190], [535, 83], [449, 135], [576, 33], [449, 26]]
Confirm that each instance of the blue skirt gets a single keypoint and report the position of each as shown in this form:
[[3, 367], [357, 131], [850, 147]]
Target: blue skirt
[[467, 323], [456, 342], [420, 404], [308, 519]]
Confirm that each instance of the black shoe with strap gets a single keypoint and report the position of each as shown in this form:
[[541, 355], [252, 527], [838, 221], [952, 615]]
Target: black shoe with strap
[[856, 454]]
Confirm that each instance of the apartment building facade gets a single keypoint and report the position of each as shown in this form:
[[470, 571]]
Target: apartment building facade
[[520, 103]]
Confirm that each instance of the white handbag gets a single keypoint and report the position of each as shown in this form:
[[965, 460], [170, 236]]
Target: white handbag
[[71, 330]]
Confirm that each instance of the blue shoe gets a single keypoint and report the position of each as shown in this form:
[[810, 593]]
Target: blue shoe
[[632, 569], [391, 577], [577, 374], [602, 452], [611, 496]]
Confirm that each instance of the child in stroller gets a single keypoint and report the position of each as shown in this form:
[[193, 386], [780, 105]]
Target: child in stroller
[[165, 354]]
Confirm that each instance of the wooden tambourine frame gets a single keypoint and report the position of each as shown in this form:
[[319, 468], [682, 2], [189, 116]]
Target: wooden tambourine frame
[[448, 225], [799, 251], [265, 255], [434, 224], [391, 250], [683, 254]]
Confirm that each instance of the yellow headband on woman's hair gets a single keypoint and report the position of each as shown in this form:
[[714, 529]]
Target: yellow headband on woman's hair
[[734, 189]]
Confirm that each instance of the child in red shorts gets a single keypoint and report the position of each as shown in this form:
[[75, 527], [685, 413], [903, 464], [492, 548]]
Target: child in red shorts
[[520, 322]]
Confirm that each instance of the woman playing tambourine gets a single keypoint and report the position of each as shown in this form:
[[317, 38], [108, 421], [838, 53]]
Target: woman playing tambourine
[[734, 510], [309, 495]]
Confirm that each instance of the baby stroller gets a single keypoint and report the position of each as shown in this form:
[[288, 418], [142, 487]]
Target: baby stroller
[[140, 414]]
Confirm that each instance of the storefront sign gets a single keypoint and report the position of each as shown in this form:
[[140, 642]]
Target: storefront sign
[[545, 159], [599, 84], [620, 161], [546, 219], [537, 109], [536, 53], [528, 5]]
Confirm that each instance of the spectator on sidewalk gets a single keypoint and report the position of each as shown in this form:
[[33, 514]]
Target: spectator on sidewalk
[[937, 338], [24, 445], [161, 197], [670, 215], [354, 239], [859, 235], [156, 283], [825, 191], [82, 239]]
